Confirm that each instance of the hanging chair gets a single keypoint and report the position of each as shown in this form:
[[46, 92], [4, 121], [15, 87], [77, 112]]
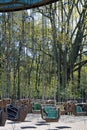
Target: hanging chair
[[63, 108], [3, 114], [28, 103], [36, 108], [23, 111], [50, 113], [13, 112], [52, 102], [17, 113], [3, 117], [67, 108], [6, 101], [80, 109]]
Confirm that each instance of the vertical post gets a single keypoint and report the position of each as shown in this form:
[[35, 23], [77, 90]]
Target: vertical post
[[43, 84]]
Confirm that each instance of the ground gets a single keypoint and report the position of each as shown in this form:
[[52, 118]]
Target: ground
[[35, 122]]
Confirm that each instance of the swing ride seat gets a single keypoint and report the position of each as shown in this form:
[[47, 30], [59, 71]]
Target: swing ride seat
[[3, 117], [17, 113], [63, 110], [52, 102], [5, 102], [68, 108], [81, 109], [26, 102], [13, 112], [36, 108], [50, 113], [23, 111]]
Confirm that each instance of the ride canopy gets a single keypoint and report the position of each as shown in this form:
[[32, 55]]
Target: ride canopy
[[15, 5]]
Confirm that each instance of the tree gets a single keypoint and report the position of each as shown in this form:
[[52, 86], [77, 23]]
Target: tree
[[68, 36], [45, 45]]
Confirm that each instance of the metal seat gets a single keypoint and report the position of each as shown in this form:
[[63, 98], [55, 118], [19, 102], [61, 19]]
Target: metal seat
[[3, 117], [50, 113], [17, 113]]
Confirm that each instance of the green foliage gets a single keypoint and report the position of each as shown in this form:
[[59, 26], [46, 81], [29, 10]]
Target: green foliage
[[36, 51]]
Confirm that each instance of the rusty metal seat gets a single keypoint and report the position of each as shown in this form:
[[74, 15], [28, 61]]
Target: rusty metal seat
[[17, 113]]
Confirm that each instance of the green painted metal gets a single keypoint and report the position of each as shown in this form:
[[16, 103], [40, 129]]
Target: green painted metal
[[37, 106], [51, 112], [79, 109]]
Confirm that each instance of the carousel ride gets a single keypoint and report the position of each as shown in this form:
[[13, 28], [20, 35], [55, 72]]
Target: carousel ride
[[18, 111]]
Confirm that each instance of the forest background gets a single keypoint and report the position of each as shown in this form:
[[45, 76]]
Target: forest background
[[43, 52]]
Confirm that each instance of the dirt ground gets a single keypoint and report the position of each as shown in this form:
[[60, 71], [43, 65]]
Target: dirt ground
[[35, 122]]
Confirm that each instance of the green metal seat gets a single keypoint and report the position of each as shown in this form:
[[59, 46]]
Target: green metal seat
[[50, 113], [37, 106], [79, 109]]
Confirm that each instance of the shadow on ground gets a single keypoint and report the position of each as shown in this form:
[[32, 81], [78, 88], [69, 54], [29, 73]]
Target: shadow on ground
[[27, 127], [63, 127]]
